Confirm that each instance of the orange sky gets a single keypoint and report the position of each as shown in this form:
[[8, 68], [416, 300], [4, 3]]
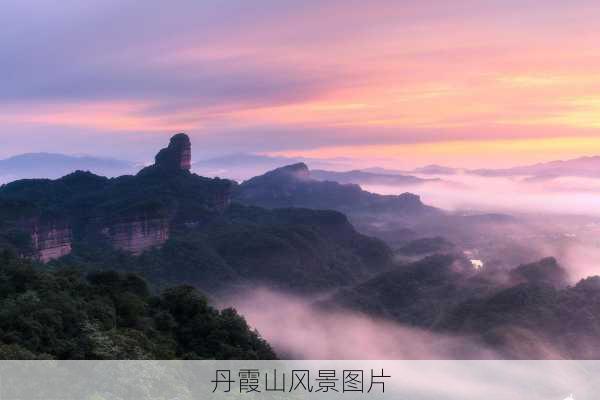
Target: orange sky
[[467, 83]]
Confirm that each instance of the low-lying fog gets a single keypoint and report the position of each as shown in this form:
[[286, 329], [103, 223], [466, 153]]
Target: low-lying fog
[[561, 195], [555, 217], [299, 329]]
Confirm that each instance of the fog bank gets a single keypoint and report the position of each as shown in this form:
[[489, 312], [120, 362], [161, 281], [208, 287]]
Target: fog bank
[[298, 329]]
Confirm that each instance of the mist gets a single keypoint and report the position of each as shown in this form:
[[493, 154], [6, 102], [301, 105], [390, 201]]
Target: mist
[[565, 195], [299, 328], [556, 217]]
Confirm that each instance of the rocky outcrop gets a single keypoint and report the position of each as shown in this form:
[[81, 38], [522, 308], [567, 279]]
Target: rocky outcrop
[[221, 200], [50, 241], [177, 156], [139, 235], [134, 213], [298, 171], [293, 186]]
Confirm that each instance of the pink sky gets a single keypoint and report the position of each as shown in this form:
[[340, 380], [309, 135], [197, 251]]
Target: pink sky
[[467, 83]]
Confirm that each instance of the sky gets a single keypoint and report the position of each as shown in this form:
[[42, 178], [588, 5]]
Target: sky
[[394, 83]]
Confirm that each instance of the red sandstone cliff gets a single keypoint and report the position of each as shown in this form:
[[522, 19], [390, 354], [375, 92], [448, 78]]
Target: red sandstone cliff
[[134, 213], [50, 241], [139, 235]]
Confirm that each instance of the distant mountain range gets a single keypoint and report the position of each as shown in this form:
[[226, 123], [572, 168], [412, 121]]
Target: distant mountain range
[[295, 186], [242, 166], [530, 311], [368, 178], [190, 227], [587, 167], [52, 166], [285, 230], [432, 169]]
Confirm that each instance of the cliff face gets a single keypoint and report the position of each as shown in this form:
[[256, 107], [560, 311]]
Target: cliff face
[[222, 199], [137, 236], [177, 156], [50, 241], [172, 196], [134, 212]]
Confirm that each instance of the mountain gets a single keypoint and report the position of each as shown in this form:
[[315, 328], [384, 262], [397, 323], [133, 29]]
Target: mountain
[[73, 249], [544, 272], [416, 294], [52, 166], [434, 169], [586, 167], [131, 213], [529, 312], [384, 171], [76, 253], [424, 246], [302, 251], [173, 227], [367, 178], [241, 166], [63, 314], [535, 320], [581, 167], [294, 186]]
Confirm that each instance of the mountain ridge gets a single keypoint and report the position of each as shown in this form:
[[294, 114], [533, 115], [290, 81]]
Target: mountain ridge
[[184, 225], [56, 165], [293, 186]]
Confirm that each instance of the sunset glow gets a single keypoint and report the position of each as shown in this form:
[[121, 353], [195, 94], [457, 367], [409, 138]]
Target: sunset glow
[[460, 82], [317, 181]]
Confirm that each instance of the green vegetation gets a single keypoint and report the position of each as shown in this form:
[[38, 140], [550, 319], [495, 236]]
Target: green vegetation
[[84, 198], [567, 319], [417, 294], [292, 249], [64, 314], [213, 245], [527, 312], [292, 186], [78, 307], [425, 246]]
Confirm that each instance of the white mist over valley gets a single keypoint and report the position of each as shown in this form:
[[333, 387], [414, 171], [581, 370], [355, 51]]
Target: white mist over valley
[[457, 239]]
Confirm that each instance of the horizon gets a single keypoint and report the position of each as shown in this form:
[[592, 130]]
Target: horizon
[[348, 166], [470, 84]]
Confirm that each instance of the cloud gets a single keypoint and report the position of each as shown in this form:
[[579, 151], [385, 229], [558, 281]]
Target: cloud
[[298, 329], [342, 71]]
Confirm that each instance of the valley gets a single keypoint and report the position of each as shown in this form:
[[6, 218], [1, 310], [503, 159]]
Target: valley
[[499, 282]]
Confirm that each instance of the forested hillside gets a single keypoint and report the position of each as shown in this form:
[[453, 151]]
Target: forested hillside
[[67, 314]]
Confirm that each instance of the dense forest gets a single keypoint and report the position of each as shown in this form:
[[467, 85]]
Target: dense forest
[[530, 311], [176, 227], [93, 267], [298, 250], [66, 314]]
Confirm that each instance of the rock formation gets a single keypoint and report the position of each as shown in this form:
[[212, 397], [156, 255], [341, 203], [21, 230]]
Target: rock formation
[[293, 186], [177, 156], [50, 241], [134, 213], [137, 236], [298, 171]]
